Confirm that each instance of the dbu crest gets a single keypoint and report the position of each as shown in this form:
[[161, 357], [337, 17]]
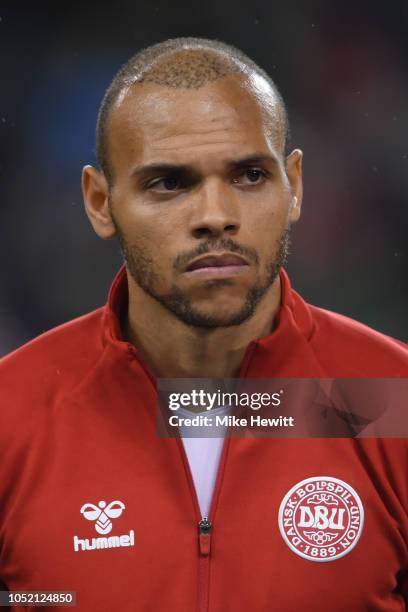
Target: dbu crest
[[321, 518]]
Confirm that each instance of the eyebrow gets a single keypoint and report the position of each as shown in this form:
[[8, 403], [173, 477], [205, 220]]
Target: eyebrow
[[251, 160], [235, 164]]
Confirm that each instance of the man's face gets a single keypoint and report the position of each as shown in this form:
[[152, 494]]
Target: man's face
[[200, 199]]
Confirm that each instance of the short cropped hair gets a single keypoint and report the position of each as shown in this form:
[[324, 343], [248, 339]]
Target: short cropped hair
[[165, 63]]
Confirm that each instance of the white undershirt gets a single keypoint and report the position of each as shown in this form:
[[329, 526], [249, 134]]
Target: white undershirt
[[203, 455]]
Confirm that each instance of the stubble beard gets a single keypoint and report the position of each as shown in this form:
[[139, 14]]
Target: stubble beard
[[141, 267]]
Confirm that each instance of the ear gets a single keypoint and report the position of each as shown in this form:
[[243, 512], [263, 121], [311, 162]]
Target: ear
[[95, 190], [294, 173]]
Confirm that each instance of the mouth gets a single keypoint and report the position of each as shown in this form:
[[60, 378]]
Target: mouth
[[225, 264]]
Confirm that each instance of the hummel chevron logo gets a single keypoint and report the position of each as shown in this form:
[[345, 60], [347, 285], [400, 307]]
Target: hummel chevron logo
[[102, 514]]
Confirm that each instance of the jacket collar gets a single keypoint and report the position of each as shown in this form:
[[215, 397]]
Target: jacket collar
[[286, 352]]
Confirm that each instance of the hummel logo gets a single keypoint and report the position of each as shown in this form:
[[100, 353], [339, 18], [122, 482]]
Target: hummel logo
[[102, 514]]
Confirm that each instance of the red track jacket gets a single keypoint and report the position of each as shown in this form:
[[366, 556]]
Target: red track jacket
[[93, 501]]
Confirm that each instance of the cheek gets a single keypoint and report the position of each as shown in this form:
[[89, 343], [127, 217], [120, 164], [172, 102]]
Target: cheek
[[266, 226], [268, 240], [143, 227]]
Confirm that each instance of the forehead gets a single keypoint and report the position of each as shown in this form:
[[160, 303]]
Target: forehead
[[150, 122]]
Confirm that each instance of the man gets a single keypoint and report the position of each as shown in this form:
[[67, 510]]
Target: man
[[195, 183]]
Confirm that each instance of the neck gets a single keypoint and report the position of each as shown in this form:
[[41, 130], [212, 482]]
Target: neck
[[172, 349]]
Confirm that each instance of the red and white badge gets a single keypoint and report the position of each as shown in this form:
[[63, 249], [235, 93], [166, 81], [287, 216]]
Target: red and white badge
[[321, 518]]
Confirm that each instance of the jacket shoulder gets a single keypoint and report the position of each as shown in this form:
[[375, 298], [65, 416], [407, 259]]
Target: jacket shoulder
[[351, 348], [53, 360]]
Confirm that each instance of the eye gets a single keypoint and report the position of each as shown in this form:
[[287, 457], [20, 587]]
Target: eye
[[167, 183], [250, 176]]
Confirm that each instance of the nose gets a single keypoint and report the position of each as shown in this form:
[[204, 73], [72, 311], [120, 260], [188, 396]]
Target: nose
[[215, 211]]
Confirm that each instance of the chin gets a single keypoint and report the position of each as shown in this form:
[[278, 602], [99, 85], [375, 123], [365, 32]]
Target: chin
[[213, 319], [212, 312]]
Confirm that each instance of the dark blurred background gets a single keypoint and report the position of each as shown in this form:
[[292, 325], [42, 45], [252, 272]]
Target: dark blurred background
[[342, 68]]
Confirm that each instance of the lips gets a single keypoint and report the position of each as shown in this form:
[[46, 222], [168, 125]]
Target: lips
[[216, 261]]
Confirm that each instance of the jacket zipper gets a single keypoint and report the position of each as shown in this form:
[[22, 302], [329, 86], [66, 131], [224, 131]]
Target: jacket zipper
[[204, 546], [205, 525]]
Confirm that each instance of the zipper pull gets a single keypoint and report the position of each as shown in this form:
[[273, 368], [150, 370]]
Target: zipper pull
[[204, 536]]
